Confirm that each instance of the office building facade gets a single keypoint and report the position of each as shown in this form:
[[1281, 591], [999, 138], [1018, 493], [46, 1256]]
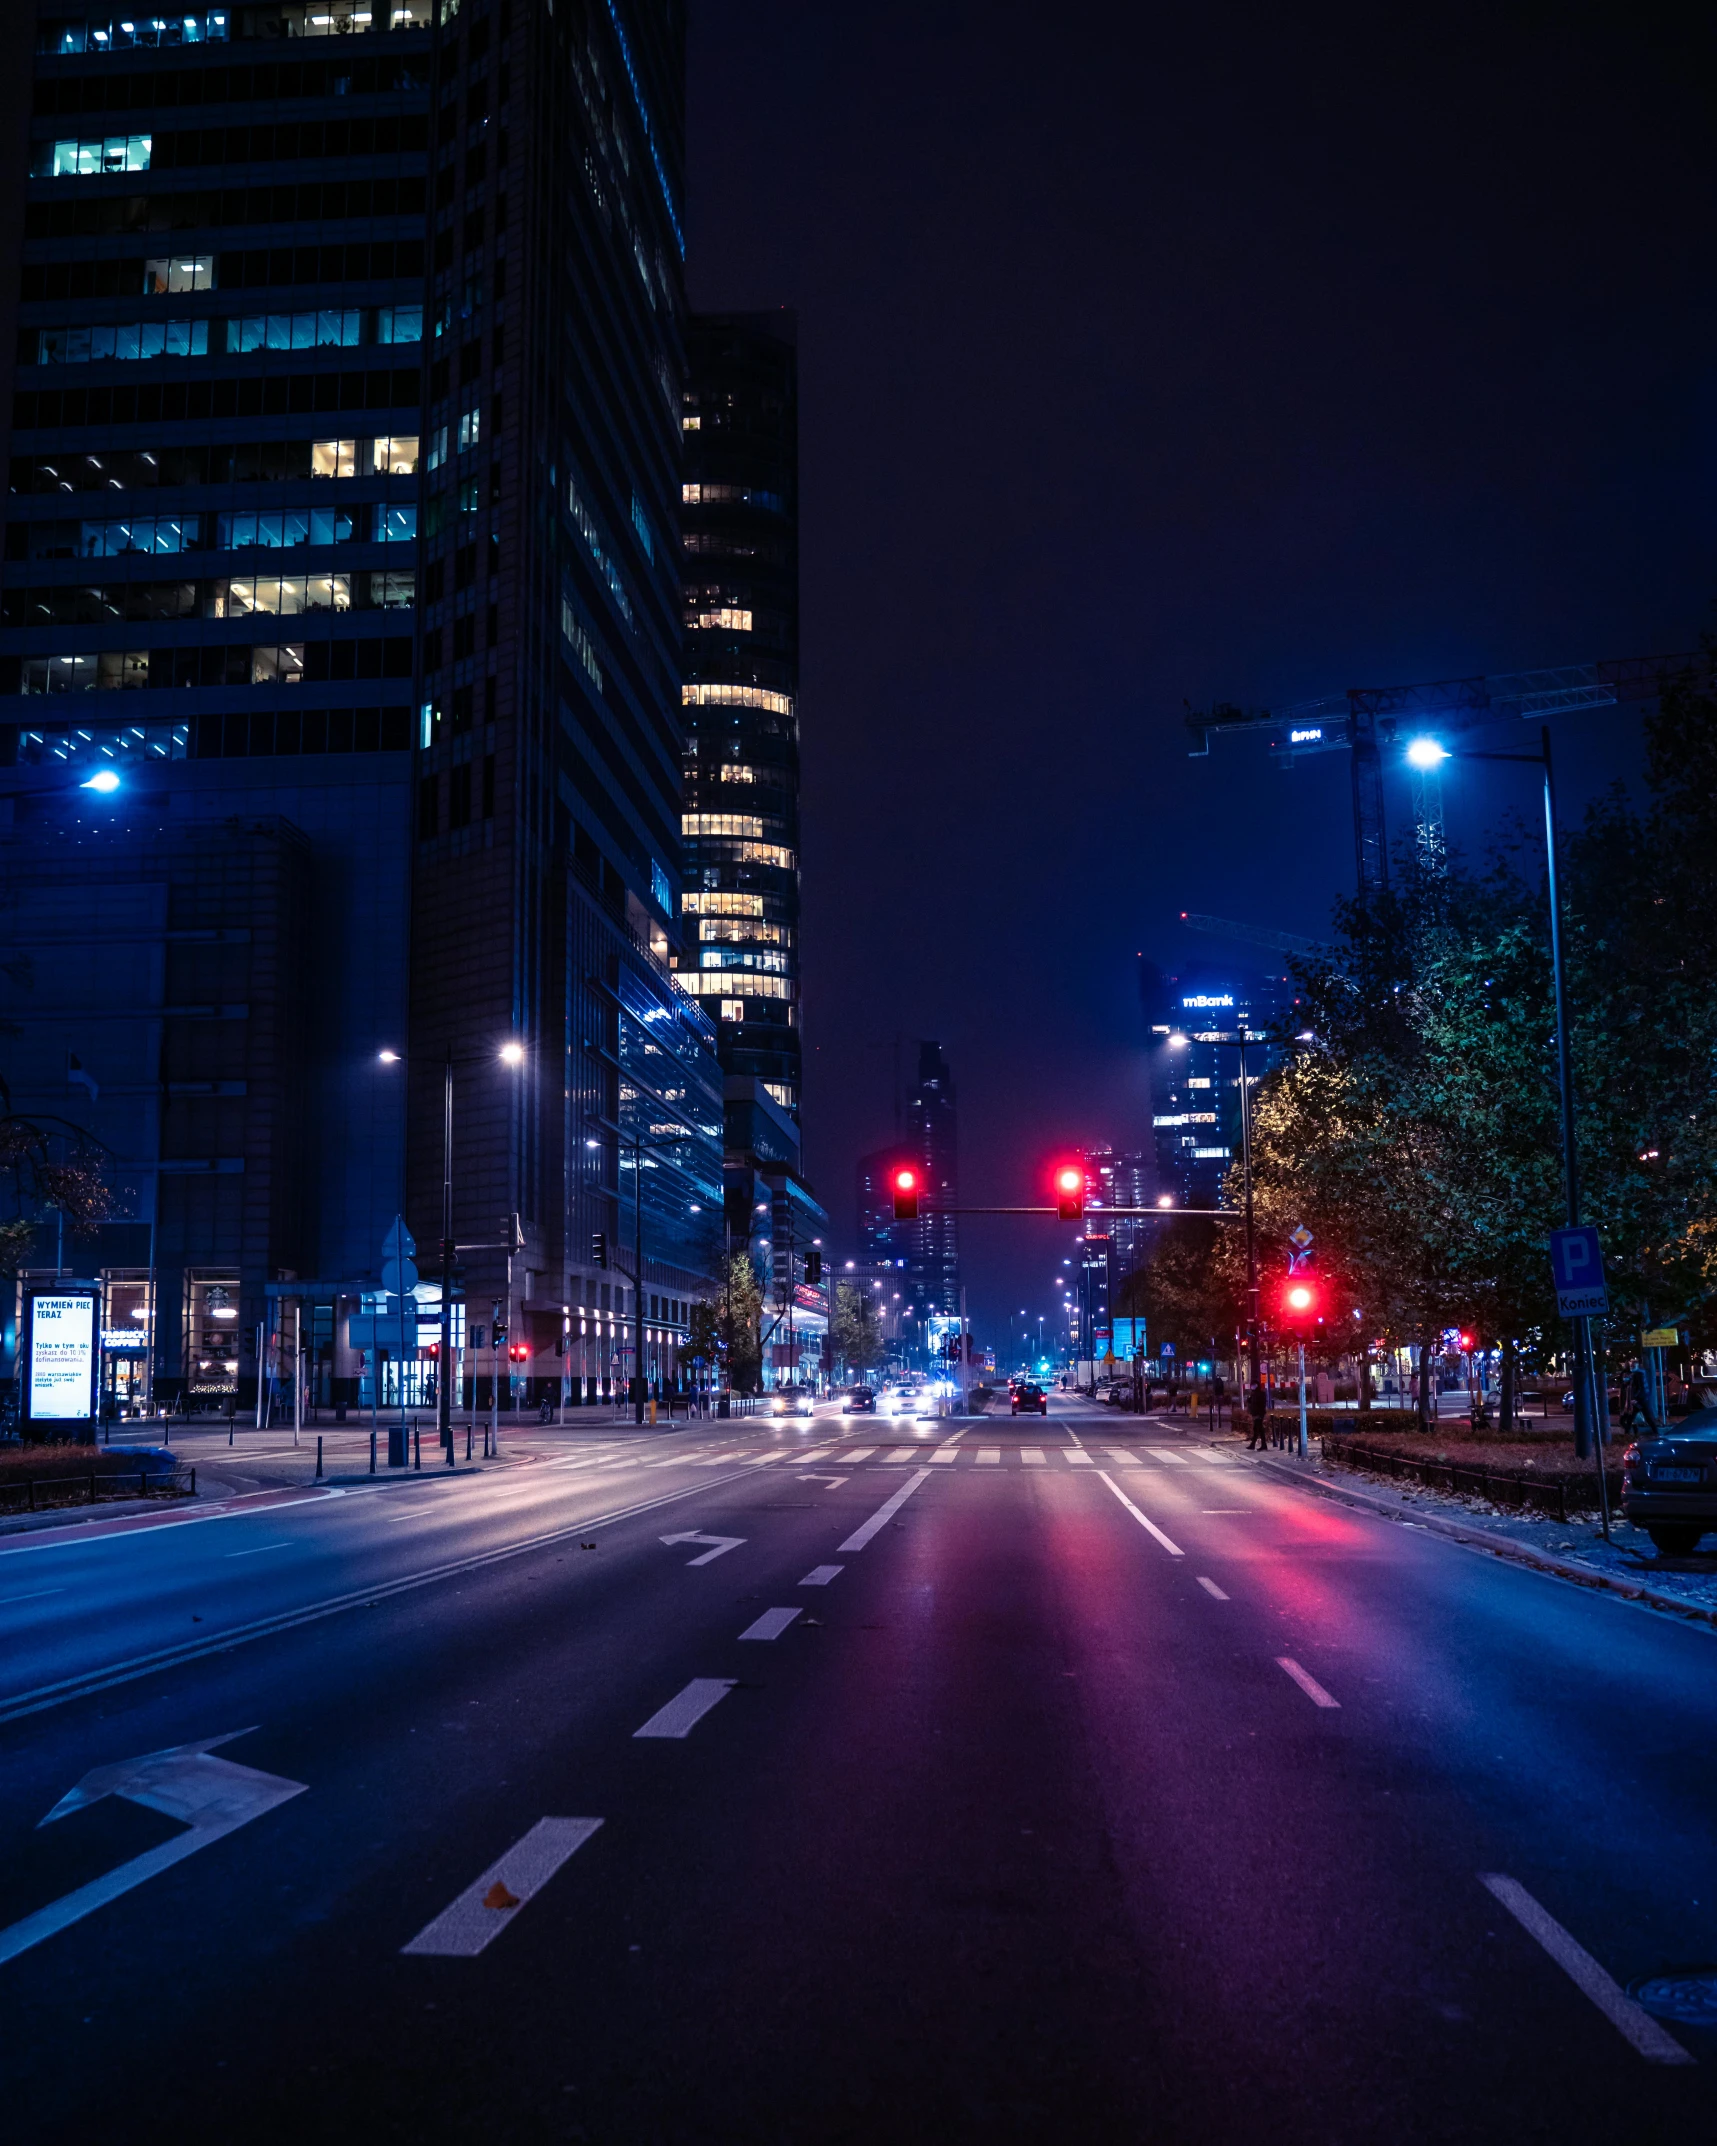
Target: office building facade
[[1195, 1086], [740, 824], [343, 510]]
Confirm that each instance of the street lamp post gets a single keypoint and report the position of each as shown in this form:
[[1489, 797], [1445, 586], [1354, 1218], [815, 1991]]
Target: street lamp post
[[1590, 1409]]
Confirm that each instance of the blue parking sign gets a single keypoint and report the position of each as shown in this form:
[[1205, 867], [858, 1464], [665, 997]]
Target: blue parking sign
[[1577, 1268]]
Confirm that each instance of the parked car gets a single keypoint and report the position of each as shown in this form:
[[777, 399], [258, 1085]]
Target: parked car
[[1669, 1488], [1032, 1399], [860, 1402]]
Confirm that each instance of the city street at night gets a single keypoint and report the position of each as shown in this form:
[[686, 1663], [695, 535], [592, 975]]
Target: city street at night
[[744, 1782]]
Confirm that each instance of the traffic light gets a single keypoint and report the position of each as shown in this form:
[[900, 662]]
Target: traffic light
[[903, 1183], [519, 1351], [813, 1265], [1302, 1301], [598, 1248], [1070, 1193], [1469, 1341]]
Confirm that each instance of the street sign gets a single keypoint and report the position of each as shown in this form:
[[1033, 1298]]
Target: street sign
[[1577, 1268], [1661, 1337]]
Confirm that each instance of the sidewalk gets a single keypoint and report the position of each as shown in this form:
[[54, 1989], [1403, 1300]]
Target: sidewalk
[[1572, 1549]]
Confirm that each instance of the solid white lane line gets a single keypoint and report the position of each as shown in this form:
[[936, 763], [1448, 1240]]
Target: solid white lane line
[[1150, 1527], [35, 1595], [989, 1456], [1175, 1460], [1231, 1512], [1032, 1457], [487, 1905], [770, 1625], [1309, 1684], [859, 1453], [1081, 1459], [686, 1709], [883, 1514], [1210, 1587], [260, 1548], [945, 1453], [1653, 2041], [821, 1575], [1126, 1458]]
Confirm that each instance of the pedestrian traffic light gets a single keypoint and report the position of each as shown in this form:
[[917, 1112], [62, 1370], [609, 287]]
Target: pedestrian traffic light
[[903, 1183], [1070, 1193], [598, 1249], [1469, 1341], [519, 1351], [813, 1265]]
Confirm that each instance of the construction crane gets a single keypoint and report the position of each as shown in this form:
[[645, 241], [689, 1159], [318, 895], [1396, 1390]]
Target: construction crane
[[1281, 942], [1364, 719]]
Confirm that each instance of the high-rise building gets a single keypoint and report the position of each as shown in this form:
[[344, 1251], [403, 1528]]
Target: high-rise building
[[1195, 1086], [346, 435], [933, 1139], [740, 523]]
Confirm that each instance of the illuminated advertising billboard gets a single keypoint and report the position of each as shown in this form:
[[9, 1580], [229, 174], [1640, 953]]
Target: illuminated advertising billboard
[[64, 1357]]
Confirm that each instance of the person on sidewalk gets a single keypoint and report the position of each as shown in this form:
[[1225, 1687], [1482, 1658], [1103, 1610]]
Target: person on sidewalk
[[1257, 1407]]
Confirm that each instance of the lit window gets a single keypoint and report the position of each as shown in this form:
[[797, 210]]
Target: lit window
[[733, 1009], [396, 456], [89, 159], [179, 272], [438, 447], [733, 771], [470, 427], [719, 696], [333, 458], [122, 341], [399, 324], [727, 619], [720, 823]]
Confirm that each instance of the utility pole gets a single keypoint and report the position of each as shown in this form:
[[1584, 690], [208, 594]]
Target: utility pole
[[444, 1368]]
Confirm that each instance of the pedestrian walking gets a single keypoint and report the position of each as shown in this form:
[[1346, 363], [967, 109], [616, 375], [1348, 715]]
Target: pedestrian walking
[[1258, 1408]]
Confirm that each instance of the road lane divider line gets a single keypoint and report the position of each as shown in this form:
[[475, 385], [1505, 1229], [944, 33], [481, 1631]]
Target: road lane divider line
[[883, 1514], [1150, 1527], [43, 1696], [489, 1903], [261, 1549], [1309, 1684], [954, 1437], [821, 1575], [1210, 1587], [687, 1708], [770, 1625], [1630, 2020], [36, 1594]]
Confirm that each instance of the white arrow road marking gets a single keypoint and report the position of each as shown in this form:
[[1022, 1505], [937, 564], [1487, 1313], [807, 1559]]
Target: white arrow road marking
[[832, 1482], [1309, 1684], [723, 1543], [821, 1575], [1653, 2042], [213, 1797], [482, 1912], [1150, 1527], [770, 1625], [884, 1513], [686, 1709]]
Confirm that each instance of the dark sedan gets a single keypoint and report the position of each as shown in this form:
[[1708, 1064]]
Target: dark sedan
[[860, 1402], [1669, 1488], [1031, 1399]]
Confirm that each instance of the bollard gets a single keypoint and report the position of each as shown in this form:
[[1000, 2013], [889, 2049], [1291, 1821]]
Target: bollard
[[467, 1441], [416, 1447], [318, 1458], [372, 1453], [452, 1455]]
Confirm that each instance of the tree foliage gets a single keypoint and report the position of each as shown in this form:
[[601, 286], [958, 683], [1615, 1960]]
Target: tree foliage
[[855, 1332], [740, 1325]]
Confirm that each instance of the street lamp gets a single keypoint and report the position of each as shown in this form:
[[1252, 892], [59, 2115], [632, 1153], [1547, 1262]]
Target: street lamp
[[1426, 753]]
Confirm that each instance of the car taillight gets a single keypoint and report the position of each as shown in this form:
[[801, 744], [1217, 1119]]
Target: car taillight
[[1631, 1458]]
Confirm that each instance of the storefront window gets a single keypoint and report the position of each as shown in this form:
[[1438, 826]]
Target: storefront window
[[212, 1337]]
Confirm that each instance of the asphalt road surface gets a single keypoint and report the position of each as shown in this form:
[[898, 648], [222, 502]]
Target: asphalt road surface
[[842, 1781]]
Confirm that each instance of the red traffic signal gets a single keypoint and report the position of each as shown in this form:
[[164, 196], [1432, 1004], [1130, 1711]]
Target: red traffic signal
[[1302, 1302], [1070, 1193], [903, 1184], [1469, 1341]]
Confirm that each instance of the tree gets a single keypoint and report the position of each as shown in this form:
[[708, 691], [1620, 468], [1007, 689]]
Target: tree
[[741, 1325], [75, 1186], [703, 1335], [855, 1333]]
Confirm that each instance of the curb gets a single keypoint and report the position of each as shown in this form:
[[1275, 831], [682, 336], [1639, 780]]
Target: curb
[[1503, 1546]]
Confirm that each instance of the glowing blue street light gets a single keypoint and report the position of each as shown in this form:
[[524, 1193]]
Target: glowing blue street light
[[1426, 753], [106, 782]]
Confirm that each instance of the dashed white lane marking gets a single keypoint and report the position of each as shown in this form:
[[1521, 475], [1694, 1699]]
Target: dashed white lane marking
[[35, 1595], [859, 1453], [945, 1453], [686, 1709], [989, 1456], [1231, 1512], [1150, 1527], [1210, 1587], [1309, 1684], [1033, 1457], [260, 1548], [770, 1625], [883, 1514], [1175, 1460], [487, 1905], [821, 1575], [1653, 2042], [954, 1437], [1123, 1456], [1080, 1459]]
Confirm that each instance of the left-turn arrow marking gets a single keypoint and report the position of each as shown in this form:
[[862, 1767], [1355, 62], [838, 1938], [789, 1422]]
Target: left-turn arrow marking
[[723, 1543], [211, 1796]]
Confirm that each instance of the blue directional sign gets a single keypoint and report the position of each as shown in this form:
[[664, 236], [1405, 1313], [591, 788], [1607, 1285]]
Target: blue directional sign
[[1577, 1268]]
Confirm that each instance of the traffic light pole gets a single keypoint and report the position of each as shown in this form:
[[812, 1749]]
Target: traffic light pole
[[444, 1370]]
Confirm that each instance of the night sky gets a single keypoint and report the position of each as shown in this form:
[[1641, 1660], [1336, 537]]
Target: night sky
[[1147, 356]]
